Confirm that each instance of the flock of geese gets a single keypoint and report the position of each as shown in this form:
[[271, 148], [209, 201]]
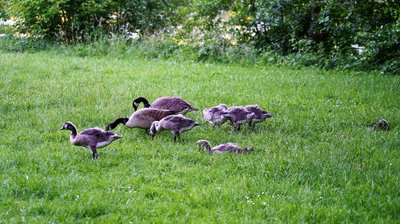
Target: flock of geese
[[168, 113]]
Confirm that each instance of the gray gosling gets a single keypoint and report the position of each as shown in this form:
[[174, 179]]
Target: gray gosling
[[259, 114], [215, 115], [141, 118], [92, 138], [175, 104], [223, 148], [176, 124], [238, 115], [380, 125]]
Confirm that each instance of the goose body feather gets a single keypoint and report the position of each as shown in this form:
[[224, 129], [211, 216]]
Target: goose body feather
[[176, 124], [222, 148], [91, 138], [238, 115], [259, 114], [215, 115], [141, 118], [176, 104]]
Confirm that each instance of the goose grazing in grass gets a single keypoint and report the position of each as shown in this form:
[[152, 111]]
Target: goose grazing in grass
[[259, 114], [223, 148], [175, 104], [380, 125], [141, 118], [215, 115], [238, 115], [176, 124], [92, 138]]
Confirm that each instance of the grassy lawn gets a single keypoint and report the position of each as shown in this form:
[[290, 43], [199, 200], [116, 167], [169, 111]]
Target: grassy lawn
[[315, 161]]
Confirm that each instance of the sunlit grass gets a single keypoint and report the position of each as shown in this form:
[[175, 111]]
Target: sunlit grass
[[315, 161]]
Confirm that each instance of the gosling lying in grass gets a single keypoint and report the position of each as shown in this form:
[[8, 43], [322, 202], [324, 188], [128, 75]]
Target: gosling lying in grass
[[382, 125], [222, 148]]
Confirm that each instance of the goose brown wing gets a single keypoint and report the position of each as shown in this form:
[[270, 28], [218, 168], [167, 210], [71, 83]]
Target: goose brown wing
[[171, 103], [98, 134], [177, 122]]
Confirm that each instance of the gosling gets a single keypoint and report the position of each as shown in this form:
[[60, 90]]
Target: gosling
[[215, 115], [259, 114], [380, 125], [176, 124], [92, 138], [238, 115], [222, 148]]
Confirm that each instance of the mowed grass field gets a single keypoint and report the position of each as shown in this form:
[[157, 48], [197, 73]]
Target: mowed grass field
[[315, 161]]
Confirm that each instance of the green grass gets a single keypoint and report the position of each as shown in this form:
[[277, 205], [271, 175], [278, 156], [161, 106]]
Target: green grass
[[314, 162]]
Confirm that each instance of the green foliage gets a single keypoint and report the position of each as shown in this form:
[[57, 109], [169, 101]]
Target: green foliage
[[76, 21], [323, 33]]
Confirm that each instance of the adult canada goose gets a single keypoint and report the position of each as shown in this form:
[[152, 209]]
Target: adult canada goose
[[141, 118], [227, 147], [175, 104], [176, 124], [259, 114], [238, 115], [215, 115], [380, 125], [91, 138]]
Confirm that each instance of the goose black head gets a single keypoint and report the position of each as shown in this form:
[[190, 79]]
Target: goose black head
[[68, 126], [265, 114], [248, 149], [137, 101], [380, 125]]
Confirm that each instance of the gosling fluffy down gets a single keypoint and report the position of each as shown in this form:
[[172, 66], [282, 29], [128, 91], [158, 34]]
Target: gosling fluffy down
[[215, 115], [238, 115], [92, 138], [176, 124], [222, 148], [176, 104], [259, 114]]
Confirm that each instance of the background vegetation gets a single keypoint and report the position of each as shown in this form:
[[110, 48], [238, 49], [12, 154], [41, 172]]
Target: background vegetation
[[324, 33]]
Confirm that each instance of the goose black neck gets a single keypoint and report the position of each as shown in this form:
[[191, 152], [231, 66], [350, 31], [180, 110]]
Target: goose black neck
[[114, 124], [139, 100], [207, 146], [73, 130]]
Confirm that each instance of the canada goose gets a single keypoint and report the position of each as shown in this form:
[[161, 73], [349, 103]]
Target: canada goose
[[259, 114], [91, 138], [227, 147], [141, 118], [175, 104], [176, 124], [380, 125], [238, 115], [215, 115]]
